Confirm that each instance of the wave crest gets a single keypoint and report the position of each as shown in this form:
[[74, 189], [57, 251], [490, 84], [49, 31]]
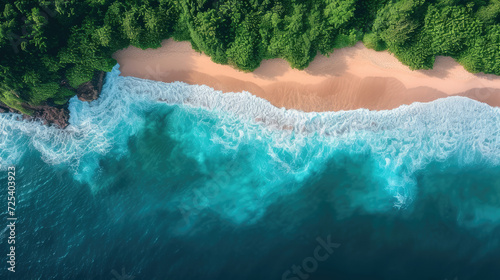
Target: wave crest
[[402, 140]]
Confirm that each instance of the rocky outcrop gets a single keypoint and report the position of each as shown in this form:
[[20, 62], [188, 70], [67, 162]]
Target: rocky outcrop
[[57, 115], [50, 115], [90, 91], [5, 109]]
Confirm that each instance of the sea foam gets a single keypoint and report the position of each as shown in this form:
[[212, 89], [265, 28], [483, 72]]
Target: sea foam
[[402, 141]]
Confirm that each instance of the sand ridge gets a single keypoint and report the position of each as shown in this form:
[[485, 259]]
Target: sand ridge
[[350, 78]]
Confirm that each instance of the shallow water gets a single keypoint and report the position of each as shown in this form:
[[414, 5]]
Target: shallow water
[[204, 185]]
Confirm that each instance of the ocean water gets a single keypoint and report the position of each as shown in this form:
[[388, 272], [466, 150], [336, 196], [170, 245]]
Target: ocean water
[[177, 181]]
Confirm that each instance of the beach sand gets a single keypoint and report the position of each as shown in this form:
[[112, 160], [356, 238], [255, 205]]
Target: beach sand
[[350, 78]]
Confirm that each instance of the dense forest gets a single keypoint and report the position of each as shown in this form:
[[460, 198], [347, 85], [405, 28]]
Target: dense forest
[[49, 48]]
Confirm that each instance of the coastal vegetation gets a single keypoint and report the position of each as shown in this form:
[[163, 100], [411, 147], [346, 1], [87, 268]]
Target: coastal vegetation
[[50, 48]]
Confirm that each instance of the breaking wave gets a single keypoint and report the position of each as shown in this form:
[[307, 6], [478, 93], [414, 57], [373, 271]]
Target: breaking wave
[[453, 131]]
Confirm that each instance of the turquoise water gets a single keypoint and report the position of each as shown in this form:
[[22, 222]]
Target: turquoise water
[[173, 181]]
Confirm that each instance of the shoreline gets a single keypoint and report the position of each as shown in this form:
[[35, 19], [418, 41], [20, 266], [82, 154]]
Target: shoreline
[[350, 78]]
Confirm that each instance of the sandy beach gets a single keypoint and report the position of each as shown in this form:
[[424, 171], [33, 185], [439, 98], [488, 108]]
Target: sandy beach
[[350, 78]]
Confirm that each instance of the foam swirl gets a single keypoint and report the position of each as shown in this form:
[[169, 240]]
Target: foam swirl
[[403, 140]]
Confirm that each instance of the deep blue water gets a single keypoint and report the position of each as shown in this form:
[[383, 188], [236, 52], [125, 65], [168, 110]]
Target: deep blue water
[[171, 181]]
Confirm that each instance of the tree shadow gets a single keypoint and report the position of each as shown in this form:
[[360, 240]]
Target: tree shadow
[[269, 69], [155, 64], [335, 64]]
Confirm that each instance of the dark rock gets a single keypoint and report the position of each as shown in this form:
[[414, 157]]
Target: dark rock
[[90, 91], [53, 115], [4, 108], [49, 115]]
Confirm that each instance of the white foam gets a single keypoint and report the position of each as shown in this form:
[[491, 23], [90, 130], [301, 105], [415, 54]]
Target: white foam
[[404, 140], [89, 134]]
